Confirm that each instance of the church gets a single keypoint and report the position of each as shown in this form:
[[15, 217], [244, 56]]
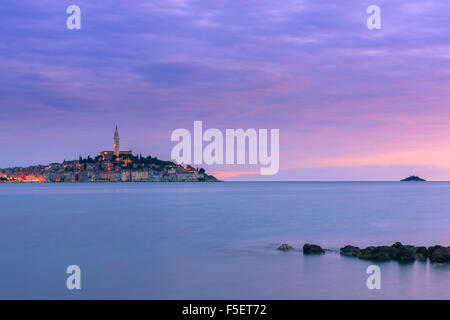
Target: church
[[107, 155]]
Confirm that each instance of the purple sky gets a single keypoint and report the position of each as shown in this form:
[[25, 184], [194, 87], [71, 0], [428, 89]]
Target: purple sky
[[350, 103]]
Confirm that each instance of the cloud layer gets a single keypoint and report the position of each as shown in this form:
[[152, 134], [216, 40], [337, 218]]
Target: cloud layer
[[344, 97]]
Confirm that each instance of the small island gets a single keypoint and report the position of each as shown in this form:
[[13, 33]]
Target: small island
[[413, 178]]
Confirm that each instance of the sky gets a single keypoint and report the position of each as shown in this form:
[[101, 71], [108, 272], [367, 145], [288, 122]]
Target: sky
[[350, 103]]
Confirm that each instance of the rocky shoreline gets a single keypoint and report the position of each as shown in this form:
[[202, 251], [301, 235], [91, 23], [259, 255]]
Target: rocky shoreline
[[398, 252]]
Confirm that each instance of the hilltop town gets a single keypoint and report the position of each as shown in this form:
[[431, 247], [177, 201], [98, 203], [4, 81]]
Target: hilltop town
[[108, 166]]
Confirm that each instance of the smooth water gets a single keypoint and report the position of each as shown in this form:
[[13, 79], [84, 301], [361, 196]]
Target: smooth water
[[218, 240]]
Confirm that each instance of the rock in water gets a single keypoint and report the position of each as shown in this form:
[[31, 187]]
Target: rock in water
[[397, 252], [439, 254], [381, 253], [312, 248], [413, 178], [285, 247], [405, 253], [422, 253], [350, 251]]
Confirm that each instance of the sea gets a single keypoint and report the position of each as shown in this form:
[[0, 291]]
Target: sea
[[218, 240]]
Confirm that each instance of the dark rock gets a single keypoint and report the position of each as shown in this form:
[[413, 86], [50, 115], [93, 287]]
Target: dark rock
[[382, 253], [405, 253], [422, 253], [350, 251], [285, 247], [397, 245], [312, 248], [413, 178], [398, 251], [439, 254]]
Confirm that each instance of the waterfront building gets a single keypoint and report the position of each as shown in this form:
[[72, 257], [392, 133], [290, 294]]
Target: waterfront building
[[69, 176], [82, 176], [106, 176], [117, 176], [126, 176], [139, 176]]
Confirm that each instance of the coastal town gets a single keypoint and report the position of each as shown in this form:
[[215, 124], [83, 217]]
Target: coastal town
[[108, 166]]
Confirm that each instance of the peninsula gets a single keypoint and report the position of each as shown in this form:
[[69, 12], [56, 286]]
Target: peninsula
[[108, 166]]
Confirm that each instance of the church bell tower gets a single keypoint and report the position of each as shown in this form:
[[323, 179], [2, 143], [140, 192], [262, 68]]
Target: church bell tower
[[116, 143]]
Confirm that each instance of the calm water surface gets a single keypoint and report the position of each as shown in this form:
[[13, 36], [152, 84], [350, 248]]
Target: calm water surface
[[218, 240]]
